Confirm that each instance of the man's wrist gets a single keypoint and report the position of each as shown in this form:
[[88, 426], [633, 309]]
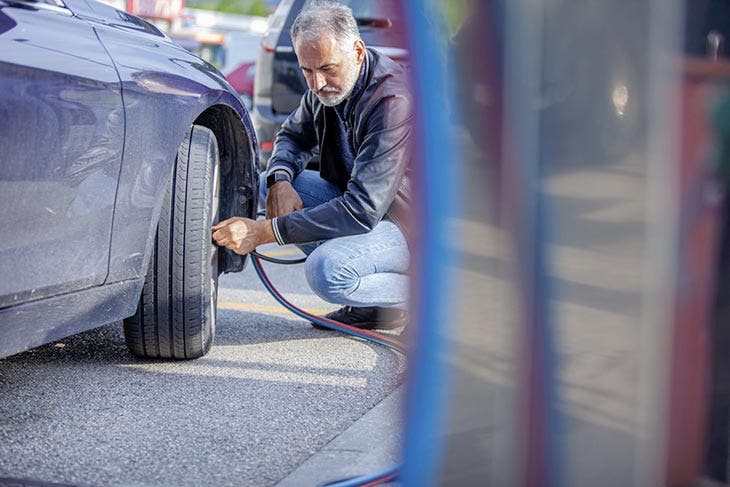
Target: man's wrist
[[265, 232], [275, 230]]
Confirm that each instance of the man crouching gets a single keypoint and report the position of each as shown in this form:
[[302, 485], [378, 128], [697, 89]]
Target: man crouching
[[350, 217]]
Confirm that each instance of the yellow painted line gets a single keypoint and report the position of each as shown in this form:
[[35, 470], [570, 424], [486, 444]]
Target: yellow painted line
[[264, 308], [281, 252], [320, 378]]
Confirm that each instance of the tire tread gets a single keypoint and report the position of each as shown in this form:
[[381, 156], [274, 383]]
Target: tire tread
[[173, 317]]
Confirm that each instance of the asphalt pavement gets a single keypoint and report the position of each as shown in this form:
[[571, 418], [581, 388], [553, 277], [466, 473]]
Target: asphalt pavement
[[275, 402]]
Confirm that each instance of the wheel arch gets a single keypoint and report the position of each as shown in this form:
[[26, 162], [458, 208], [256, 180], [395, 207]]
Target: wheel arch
[[238, 154]]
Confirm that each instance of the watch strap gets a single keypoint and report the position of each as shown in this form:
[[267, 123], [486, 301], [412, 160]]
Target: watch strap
[[277, 176]]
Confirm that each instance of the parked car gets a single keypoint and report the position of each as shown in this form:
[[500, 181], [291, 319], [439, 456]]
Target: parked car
[[119, 150], [242, 79], [241, 48], [279, 83]]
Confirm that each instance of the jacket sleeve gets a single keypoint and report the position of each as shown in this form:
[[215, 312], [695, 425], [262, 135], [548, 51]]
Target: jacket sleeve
[[379, 167], [296, 140]]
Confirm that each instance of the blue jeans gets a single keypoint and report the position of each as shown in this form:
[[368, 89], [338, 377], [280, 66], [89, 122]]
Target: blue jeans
[[358, 270]]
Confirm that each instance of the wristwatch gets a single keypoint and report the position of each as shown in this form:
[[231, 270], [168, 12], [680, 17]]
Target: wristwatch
[[275, 177]]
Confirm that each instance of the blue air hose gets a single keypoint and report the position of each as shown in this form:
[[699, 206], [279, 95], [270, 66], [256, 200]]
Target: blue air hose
[[372, 336]]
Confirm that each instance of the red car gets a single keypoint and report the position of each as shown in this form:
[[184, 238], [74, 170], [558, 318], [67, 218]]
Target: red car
[[241, 79]]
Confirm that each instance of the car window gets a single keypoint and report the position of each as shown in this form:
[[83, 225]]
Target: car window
[[379, 21], [372, 9], [369, 9]]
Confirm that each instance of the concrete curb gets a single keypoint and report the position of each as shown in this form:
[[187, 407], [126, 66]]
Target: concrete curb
[[370, 445]]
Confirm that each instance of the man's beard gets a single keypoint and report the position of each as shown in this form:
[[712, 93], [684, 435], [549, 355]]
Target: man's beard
[[335, 97]]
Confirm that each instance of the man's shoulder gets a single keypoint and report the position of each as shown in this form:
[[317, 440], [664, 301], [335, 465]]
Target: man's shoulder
[[387, 67], [388, 78]]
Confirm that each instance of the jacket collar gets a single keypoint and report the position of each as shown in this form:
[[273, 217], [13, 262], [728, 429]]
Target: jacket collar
[[347, 105]]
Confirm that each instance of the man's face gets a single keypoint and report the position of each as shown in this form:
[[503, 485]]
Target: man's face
[[331, 69]]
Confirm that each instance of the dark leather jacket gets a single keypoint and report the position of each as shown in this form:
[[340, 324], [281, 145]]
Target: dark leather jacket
[[381, 116]]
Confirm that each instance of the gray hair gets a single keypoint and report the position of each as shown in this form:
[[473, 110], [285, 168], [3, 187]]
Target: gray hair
[[325, 17]]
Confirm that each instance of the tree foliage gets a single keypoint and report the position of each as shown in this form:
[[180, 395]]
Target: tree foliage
[[241, 7]]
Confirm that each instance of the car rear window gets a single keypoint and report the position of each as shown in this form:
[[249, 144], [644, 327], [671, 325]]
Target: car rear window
[[378, 20]]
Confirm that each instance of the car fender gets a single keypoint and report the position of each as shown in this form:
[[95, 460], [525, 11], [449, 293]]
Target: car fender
[[165, 90]]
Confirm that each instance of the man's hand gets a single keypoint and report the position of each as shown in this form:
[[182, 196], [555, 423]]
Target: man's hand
[[282, 200], [242, 235]]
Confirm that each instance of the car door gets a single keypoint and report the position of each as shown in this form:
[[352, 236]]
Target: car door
[[61, 140]]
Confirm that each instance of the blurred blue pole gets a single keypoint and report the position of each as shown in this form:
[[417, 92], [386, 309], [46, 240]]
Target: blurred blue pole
[[437, 172]]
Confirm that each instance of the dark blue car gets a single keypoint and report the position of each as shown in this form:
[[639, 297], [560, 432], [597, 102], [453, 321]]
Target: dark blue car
[[118, 150]]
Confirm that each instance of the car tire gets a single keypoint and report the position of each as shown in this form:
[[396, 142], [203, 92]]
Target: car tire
[[176, 314]]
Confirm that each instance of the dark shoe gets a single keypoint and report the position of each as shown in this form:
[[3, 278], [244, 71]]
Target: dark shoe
[[368, 318]]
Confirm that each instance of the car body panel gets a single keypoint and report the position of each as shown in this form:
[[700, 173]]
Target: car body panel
[[46, 320], [168, 103], [147, 93], [58, 198]]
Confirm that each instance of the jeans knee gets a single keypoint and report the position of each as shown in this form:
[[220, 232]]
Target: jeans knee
[[329, 277]]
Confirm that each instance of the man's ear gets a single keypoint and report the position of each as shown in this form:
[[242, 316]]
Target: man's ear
[[360, 50]]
